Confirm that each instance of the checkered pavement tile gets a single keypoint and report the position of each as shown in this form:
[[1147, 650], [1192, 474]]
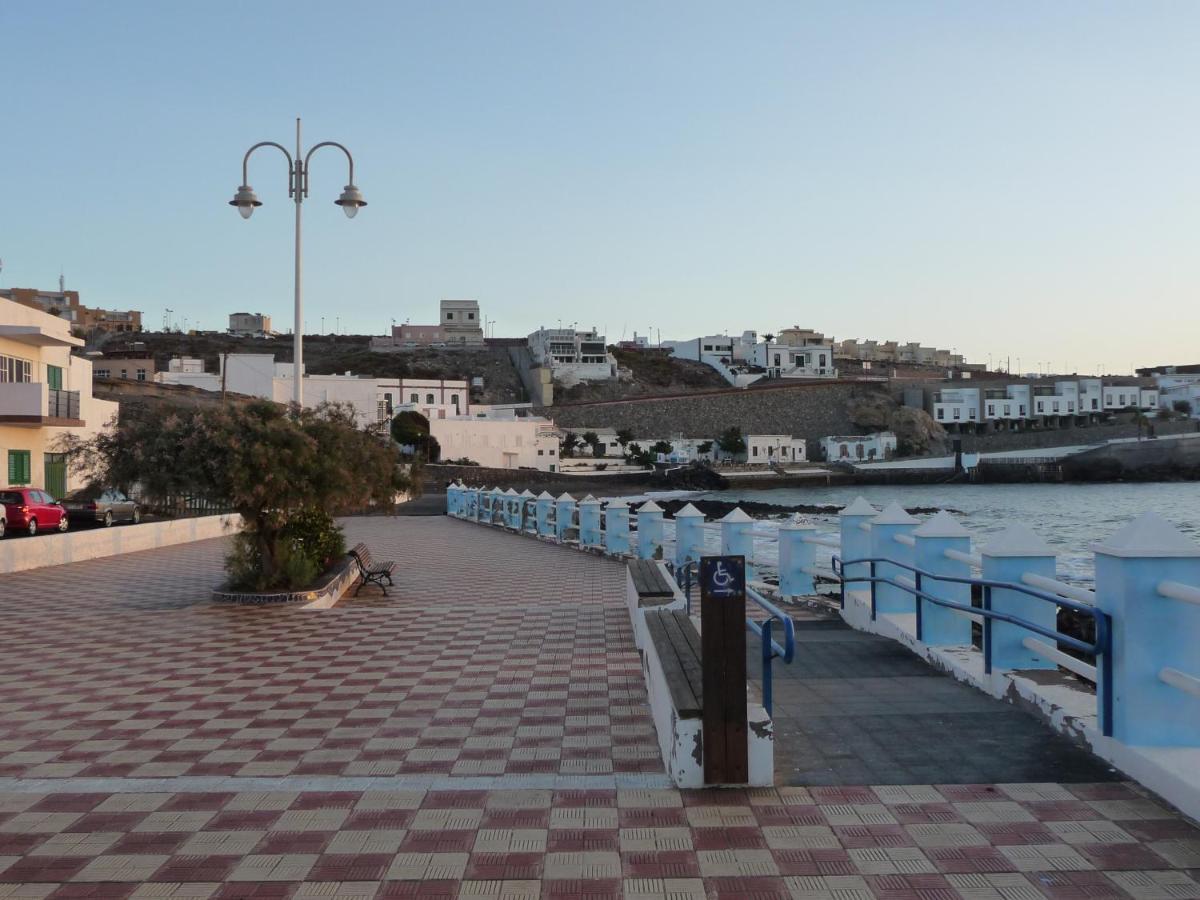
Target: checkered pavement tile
[[147, 679]]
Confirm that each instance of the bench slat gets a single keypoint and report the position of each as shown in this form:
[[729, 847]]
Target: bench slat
[[649, 580], [675, 653], [682, 631]]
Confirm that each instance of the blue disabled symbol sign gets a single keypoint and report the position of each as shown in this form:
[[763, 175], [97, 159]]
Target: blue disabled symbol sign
[[723, 576]]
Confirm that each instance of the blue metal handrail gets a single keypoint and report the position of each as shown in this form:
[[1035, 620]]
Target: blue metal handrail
[[1101, 648], [770, 647]]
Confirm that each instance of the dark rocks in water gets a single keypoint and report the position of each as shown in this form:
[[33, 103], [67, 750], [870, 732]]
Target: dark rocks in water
[[692, 477], [716, 509]]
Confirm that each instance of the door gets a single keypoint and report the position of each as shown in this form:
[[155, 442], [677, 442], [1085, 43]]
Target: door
[[56, 475]]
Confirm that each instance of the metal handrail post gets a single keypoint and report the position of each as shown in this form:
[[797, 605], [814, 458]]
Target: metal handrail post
[[768, 688], [987, 630]]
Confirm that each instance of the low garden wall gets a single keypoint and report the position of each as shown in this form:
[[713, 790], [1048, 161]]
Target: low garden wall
[[20, 553]]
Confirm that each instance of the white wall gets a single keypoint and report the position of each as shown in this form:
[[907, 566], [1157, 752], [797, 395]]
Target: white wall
[[530, 443]]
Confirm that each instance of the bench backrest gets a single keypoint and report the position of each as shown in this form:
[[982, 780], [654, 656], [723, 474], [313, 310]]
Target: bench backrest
[[361, 555]]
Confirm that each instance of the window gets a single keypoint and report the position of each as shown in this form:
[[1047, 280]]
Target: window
[[54, 378], [552, 451], [970, 414], [415, 398], [1056, 406], [102, 373], [124, 373], [429, 398], [755, 451], [454, 399], [1041, 406], [15, 369], [941, 413], [541, 453], [141, 374], [957, 413], [20, 467], [449, 316], [470, 317], [1022, 409], [991, 410]]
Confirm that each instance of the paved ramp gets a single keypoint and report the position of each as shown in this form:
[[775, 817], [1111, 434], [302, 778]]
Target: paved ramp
[[855, 708]]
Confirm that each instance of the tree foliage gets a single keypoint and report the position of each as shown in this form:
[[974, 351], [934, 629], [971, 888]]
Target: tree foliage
[[568, 444], [624, 436], [731, 441], [277, 468]]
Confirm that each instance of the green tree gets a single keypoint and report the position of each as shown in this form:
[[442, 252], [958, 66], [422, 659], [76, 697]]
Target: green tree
[[567, 445], [1182, 406], [624, 436], [704, 447], [638, 456], [663, 447], [278, 469], [593, 440], [731, 441]]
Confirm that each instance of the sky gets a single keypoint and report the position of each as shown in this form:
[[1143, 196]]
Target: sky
[[1012, 180]]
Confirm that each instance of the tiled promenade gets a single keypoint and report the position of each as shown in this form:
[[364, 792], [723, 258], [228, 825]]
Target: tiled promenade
[[482, 733]]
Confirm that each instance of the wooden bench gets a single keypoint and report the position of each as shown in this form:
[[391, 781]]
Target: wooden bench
[[372, 572], [652, 585], [677, 644]]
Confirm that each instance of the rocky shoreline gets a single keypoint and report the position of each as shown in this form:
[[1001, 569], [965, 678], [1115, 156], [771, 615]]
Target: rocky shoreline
[[716, 509]]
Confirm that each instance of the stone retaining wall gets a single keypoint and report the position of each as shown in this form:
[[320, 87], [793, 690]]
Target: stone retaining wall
[[807, 411]]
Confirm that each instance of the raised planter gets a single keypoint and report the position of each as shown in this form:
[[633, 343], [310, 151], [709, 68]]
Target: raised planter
[[328, 589]]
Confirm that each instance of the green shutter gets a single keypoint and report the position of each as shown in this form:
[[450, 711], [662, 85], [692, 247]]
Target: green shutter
[[19, 467], [54, 377]]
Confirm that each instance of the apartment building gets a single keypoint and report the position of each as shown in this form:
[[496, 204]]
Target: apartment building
[[126, 364], [571, 355], [249, 324], [65, 305], [1014, 405], [45, 393]]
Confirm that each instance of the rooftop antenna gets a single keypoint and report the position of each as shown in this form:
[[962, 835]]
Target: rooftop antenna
[[62, 282]]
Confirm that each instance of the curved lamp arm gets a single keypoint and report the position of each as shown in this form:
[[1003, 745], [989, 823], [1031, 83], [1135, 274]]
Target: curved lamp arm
[[282, 149], [317, 147]]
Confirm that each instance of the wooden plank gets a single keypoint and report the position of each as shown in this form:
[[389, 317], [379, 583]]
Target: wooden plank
[[648, 579], [723, 654], [690, 632], [686, 704], [689, 658]]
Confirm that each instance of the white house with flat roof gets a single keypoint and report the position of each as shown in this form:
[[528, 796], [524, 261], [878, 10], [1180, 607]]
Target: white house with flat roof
[[782, 360], [529, 442], [573, 356], [855, 447], [956, 406], [764, 449]]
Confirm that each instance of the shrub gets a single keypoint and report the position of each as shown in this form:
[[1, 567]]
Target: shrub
[[1182, 406], [312, 532]]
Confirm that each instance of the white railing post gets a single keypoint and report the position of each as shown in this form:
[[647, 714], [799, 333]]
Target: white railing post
[[616, 529], [512, 511], [689, 536], [1155, 662], [523, 518], [737, 538], [545, 503], [452, 500], [650, 530], [941, 626], [1007, 557], [856, 542], [893, 522], [589, 522], [473, 504], [564, 516], [497, 507], [797, 558]]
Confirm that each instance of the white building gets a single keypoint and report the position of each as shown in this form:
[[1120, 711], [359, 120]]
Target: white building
[[375, 400], [1008, 404], [573, 356], [854, 447], [518, 443], [727, 355], [249, 324], [956, 406], [782, 360], [1129, 396], [1179, 388], [460, 322], [45, 393], [764, 449]]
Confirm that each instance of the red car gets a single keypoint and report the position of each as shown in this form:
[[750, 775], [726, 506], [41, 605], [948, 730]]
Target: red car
[[30, 510]]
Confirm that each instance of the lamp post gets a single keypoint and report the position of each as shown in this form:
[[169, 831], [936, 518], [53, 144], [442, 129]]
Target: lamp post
[[246, 200]]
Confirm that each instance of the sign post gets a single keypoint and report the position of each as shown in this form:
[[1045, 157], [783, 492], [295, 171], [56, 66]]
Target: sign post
[[723, 659]]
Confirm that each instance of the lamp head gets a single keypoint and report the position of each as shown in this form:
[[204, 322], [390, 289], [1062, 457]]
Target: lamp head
[[245, 200], [350, 201]]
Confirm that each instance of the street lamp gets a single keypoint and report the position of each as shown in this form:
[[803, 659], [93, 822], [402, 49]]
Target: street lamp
[[246, 200]]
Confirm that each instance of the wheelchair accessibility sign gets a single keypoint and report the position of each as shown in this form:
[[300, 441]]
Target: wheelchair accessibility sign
[[723, 576]]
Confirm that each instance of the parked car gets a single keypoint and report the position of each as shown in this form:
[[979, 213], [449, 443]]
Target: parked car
[[30, 510], [104, 505]]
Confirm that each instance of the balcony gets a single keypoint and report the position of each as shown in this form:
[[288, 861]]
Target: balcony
[[33, 404]]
